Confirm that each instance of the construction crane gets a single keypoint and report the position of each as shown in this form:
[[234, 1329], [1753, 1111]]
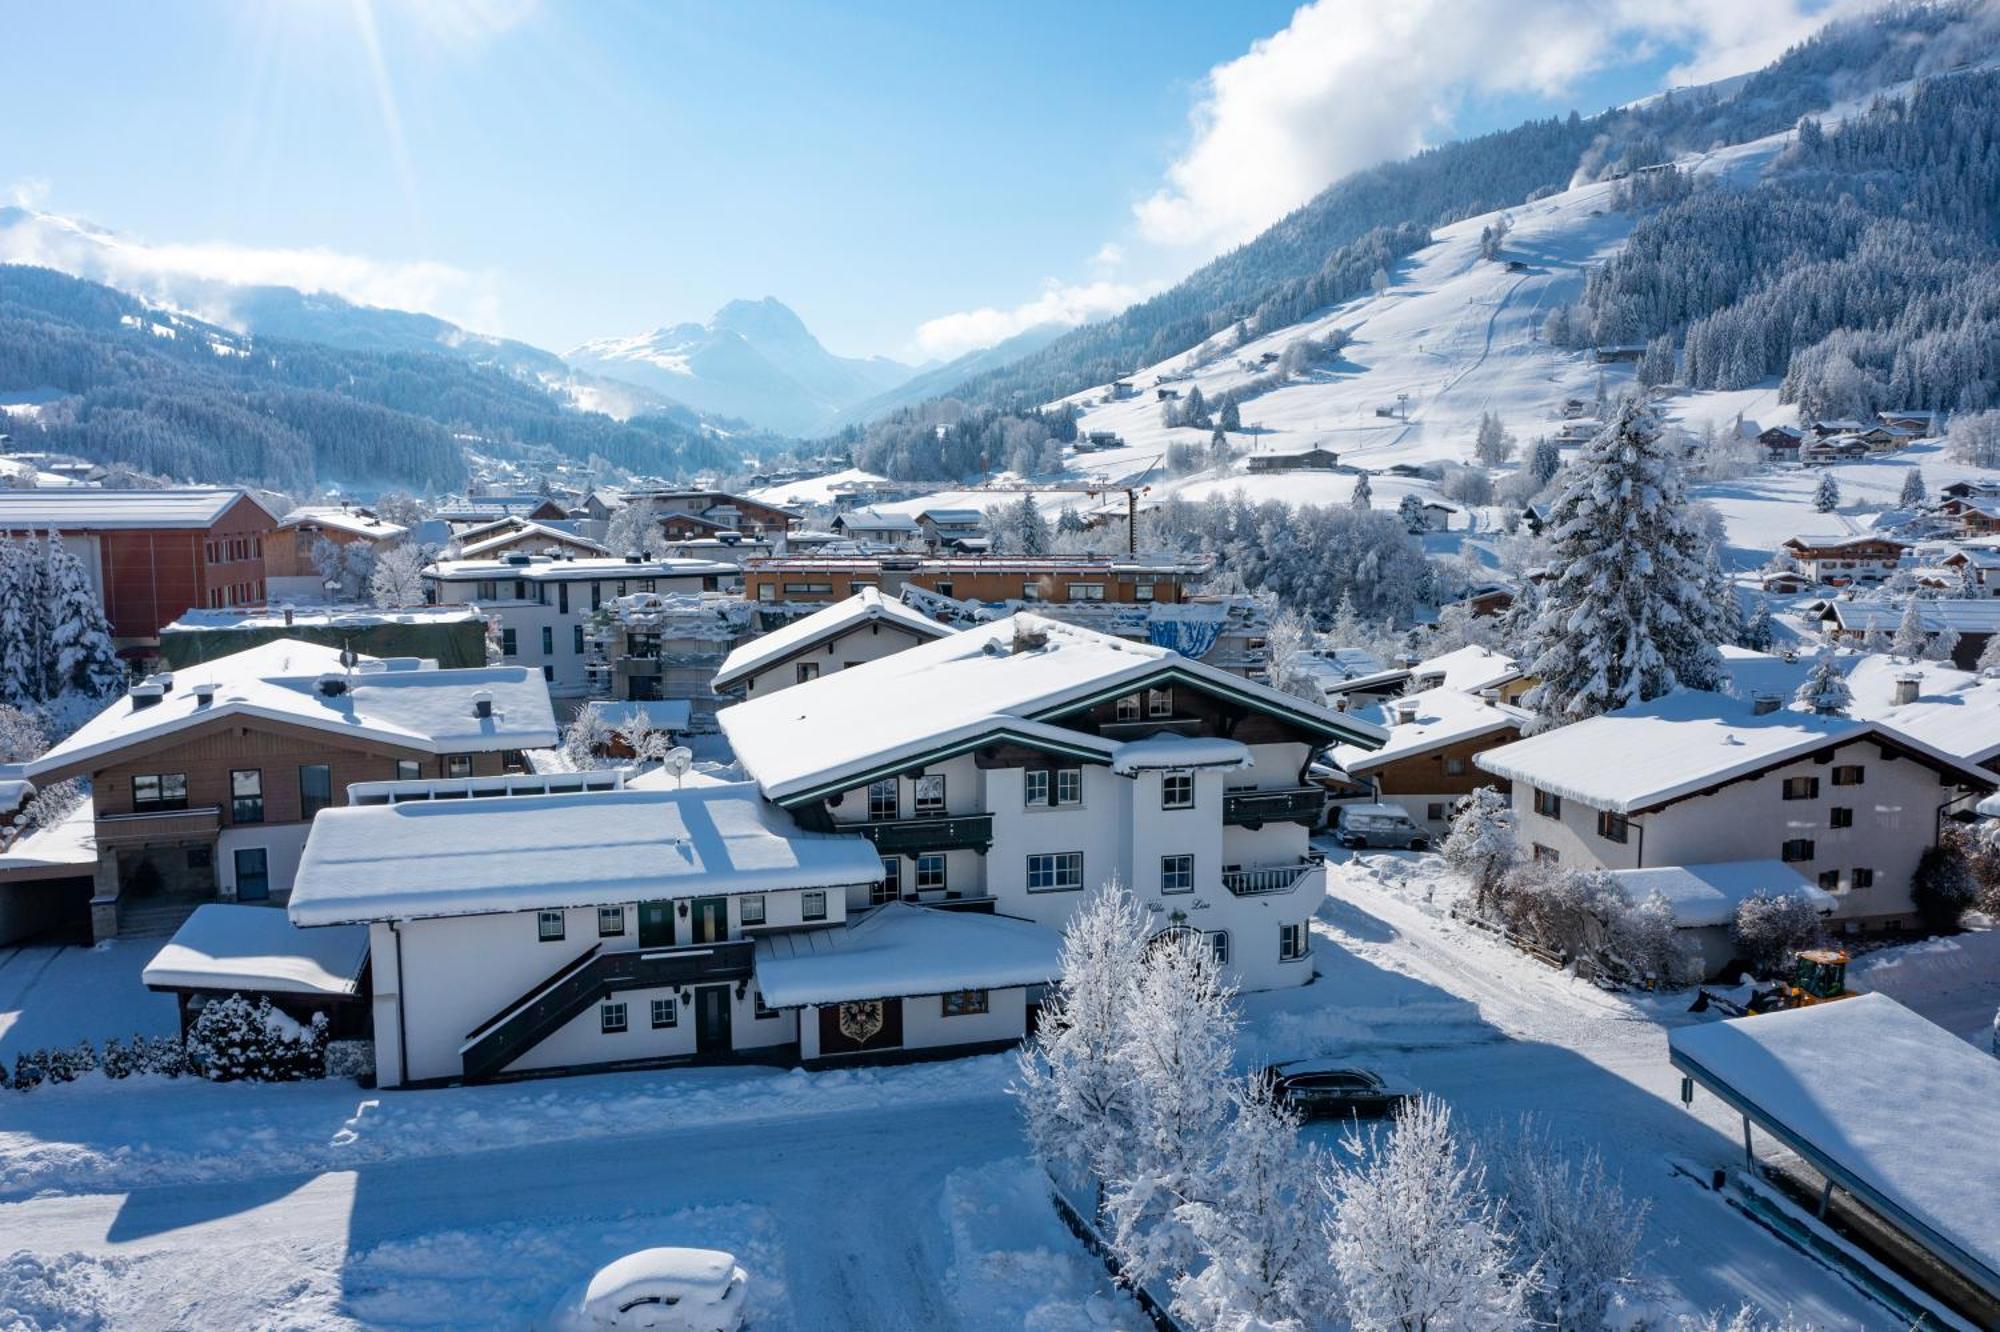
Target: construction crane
[[1131, 487]]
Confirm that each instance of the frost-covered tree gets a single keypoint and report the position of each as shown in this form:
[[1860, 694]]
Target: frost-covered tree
[[1416, 1244], [1770, 928], [1759, 633], [584, 739], [1363, 494], [1656, 363], [1289, 646], [1974, 438], [1181, 1038], [1544, 461], [1481, 845], [1943, 645], [1231, 418], [636, 529], [1571, 1223], [1989, 658], [1824, 690], [1626, 615], [1410, 512], [398, 576], [1076, 1092], [1721, 594], [1264, 1266], [1024, 530], [1911, 638], [21, 736], [1826, 496], [1745, 1319], [1493, 445], [1194, 409], [1070, 523], [79, 636], [1914, 492]]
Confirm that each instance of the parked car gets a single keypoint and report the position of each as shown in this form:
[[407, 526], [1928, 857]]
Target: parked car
[[1321, 1089], [669, 1290], [1381, 826]]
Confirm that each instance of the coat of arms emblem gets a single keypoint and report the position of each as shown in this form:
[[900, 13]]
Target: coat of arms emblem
[[861, 1021]]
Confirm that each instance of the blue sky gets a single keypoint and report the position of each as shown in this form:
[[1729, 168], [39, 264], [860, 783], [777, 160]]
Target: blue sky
[[913, 179]]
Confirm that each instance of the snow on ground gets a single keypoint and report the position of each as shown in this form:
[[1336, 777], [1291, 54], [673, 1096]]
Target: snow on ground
[[815, 489], [61, 995]]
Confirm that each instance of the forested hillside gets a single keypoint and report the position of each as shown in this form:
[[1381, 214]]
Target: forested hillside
[[174, 396]]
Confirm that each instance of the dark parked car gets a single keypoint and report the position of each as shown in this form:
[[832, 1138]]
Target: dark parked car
[[1318, 1089]]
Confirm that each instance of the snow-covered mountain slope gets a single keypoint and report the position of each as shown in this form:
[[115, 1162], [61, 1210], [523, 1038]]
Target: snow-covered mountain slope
[[755, 360]]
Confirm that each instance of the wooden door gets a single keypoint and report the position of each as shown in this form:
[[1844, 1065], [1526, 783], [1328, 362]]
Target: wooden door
[[710, 918], [711, 1019], [656, 924]]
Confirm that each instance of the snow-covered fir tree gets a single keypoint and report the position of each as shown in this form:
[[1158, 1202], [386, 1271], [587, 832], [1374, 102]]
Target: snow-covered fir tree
[[1914, 492], [1721, 594], [1911, 638], [1415, 1242], [1826, 496], [1024, 531], [1627, 615], [1544, 461], [1481, 845], [1989, 658], [1363, 495], [83, 661], [1410, 511], [1943, 645], [1231, 418], [1758, 630], [1493, 445], [1070, 523], [1824, 689]]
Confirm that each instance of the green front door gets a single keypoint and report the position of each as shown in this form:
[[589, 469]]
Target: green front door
[[711, 1019], [656, 924], [710, 918]]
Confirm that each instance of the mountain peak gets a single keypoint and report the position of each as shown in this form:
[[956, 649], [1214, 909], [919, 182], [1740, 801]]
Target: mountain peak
[[769, 318]]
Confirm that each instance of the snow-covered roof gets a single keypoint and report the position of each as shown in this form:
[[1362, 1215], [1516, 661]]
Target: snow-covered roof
[[1837, 1083], [548, 570], [1841, 540], [257, 949], [955, 689], [529, 532], [899, 950], [1967, 615], [521, 853], [1168, 751], [866, 607], [1955, 711], [69, 507], [1470, 668], [1444, 716], [953, 517], [1707, 894], [1682, 744], [875, 521], [318, 617], [356, 522], [69, 844], [399, 700]]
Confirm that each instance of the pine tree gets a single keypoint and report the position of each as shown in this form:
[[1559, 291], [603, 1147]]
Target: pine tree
[[1069, 522], [79, 635], [1943, 645], [1914, 492], [1027, 531], [1989, 658], [15, 611], [1544, 462], [1721, 594], [1911, 638], [1195, 410], [1363, 496], [1626, 616], [1411, 511], [1825, 690], [1758, 631], [1827, 497], [1232, 419], [1493, 445]]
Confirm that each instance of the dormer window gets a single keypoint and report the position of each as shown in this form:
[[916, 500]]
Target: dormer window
[[1128, 708], [1159, 702]]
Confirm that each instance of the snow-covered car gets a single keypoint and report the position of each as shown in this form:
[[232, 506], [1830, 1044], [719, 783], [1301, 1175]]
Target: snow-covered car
[[1390, 827], [1319, 1089], [666, 1289]]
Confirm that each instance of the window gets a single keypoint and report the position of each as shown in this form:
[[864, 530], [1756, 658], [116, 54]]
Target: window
[[1218, 947], [666, 1013], [759, 1007], [1862, 878], [1848, 774], [1069, 786], [576, 639], [562, 598], [1548, 804], [1801, 788], [610, 921], [812, 904], [945, 588], [1036, 784], [1829, 881], [1545, 855], [1455, 767], [750, 909], [766, 592], [408, 770], [930, 872], [1142, 592], [1159, 702], [510, 643], [1612, 827], [315, 788], [882, 799], [964, 1003], [891, 886], [160, 790], [1055, 871], [1128, 708], [1086, 591], [1840, 816], [548, 640], [549, 926], [806, 670], [611, 1017], [1294, 942], [930, 794], [486, 590], [1177, 790], [1176, 874], [458, 765], [1799, 848], [253, 874], [246, 795], [1435, 811], [548, 673]]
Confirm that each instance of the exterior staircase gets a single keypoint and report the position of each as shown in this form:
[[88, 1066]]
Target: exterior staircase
[[141, 918]]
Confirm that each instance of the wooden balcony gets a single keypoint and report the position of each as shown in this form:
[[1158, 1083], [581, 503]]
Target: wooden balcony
[[159, 827], [910, 837], [1265, 880], [1291, 804]]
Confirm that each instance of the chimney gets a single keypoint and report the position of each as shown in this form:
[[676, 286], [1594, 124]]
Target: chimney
[[1763, 704], [1406, 713], [204, 694], [1489, 695], [145, 694], [166, 681], [288, 617], [1907, 688], [332, 684], [482, 705]]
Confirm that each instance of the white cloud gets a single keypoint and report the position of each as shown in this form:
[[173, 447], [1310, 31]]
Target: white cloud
[[1347, 85], [1059, 303], [1109, 255], [186, 275]]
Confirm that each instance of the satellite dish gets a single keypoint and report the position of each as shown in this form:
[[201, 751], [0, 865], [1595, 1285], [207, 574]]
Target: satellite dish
[[677, 761]]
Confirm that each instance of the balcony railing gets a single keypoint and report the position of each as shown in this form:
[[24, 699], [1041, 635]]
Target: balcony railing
[[145, 826], [1291, 804], [909, 837], [1265, 879]]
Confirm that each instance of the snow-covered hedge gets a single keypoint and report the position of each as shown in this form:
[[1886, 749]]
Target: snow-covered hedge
[[1770, 929], [233, 1040], [1586, 916]]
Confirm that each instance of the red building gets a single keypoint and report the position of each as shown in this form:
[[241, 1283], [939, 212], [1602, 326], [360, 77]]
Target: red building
[[153, 554]]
